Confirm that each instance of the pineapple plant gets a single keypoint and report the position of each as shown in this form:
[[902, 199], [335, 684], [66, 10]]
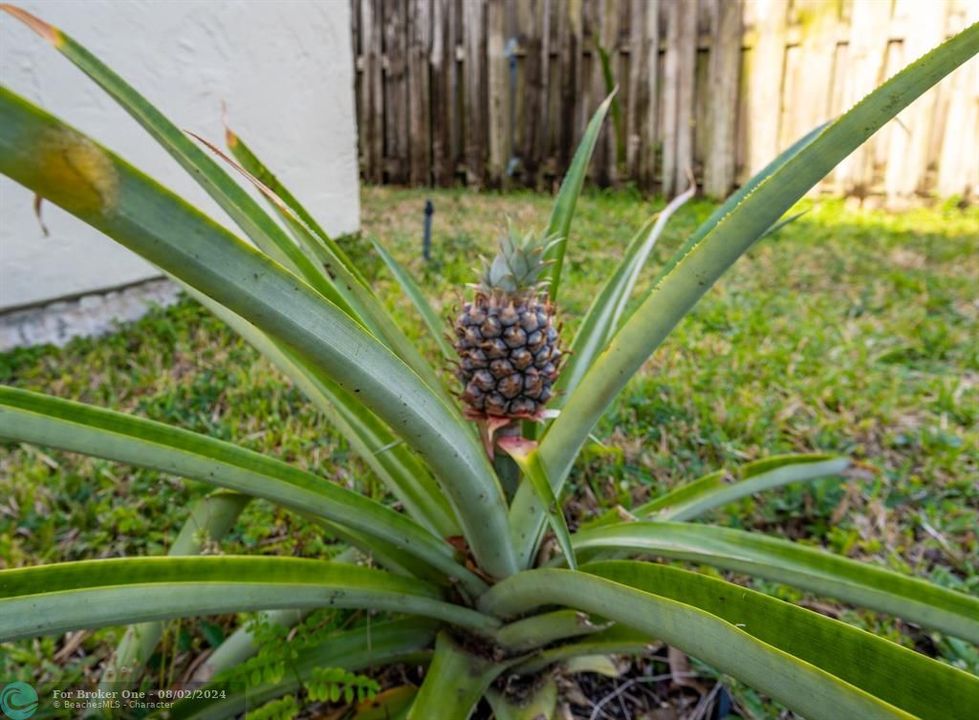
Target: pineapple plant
[[455, 566], [506, 337]]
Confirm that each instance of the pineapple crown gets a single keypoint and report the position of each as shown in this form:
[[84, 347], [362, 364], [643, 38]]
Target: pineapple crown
[[518, 264]]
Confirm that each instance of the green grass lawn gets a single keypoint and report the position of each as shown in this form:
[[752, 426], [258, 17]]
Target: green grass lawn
[[847, 331]]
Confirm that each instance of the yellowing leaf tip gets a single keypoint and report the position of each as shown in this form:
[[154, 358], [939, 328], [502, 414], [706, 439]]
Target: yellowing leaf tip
[[46, 31]]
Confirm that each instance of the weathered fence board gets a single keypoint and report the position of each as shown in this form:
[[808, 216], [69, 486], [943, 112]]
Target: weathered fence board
[[497, 92], [725, 59], [957, 166], [474, 38], [442, 62], [648, 107]]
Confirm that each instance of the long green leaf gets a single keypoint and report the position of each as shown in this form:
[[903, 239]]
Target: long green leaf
[[693, 499], [70, 170], [436, 326], [801, 686], [454, 683], [243, 644], [390, 459], [679, 288], [537, 631], [388, 556], [209, 519], [604, 314], [911, 681], [563, 213], [232, 198], [347, 287], [606, 310], [598, 324], [787, 562], [525, 455], [735, 199], [50, 599], [252, 164], [32, 417], [371, 646], [239, 205], [712, 491], [636, 264]]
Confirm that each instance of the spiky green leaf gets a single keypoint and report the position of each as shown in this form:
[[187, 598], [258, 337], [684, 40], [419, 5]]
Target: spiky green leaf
[[800, 685], [50, 599], [64, 166], [36, 418], [698, 267], [559, 225], [436, 325], [926, 688], [454, 683], [821, 572]]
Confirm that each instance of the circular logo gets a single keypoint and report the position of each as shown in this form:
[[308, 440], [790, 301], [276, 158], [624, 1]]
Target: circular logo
[[18, 700]]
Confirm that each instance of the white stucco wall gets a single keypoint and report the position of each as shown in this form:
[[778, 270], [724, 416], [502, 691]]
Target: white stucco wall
[[283, 67]]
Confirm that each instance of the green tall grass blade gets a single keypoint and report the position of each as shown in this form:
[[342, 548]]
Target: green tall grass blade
[[31, 417], [793, 564], [454, 683], [239, 205], [436, 325], [564, 205], [926, 688], [51, 599], [374, 645], [801, 686], [680, 287], [70, 170]]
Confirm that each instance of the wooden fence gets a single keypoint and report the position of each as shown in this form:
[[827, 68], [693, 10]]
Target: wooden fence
[[497, 92]]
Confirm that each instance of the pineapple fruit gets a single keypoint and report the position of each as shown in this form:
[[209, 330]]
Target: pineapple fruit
[[506, 338]]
